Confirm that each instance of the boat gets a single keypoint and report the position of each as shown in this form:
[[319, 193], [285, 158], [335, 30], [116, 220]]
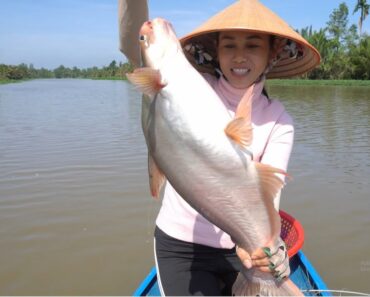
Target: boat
[[303, 273]]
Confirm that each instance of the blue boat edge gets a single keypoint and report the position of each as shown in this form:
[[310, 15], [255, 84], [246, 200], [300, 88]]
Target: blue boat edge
[[149, 286], [316, 278]]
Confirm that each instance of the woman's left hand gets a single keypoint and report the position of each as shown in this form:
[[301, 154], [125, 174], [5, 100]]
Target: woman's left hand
[[244, 257]]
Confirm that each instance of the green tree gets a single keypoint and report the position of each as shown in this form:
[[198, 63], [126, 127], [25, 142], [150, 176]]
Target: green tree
[[112, 69], [359, 59], [60, 72], [44, 73], [76, 72], [351, 38], [337, 24], [15, 72], [364, 12], [126, 68], [3, 71], [32, 71]]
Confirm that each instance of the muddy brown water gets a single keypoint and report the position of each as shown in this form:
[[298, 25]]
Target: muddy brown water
[[76, 216]]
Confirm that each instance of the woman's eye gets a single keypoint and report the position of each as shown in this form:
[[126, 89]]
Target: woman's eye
[[228, 46], [252, 46]]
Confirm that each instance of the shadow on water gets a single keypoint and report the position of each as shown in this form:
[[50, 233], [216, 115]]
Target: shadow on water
[[76, 215]]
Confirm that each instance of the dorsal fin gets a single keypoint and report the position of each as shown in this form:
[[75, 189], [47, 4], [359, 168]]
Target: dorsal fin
[[240, 128], [240, 131]]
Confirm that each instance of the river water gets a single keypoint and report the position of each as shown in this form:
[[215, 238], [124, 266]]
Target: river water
[[76, 216]]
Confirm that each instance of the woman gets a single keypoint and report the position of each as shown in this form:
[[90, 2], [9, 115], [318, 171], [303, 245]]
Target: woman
[[235, 49]]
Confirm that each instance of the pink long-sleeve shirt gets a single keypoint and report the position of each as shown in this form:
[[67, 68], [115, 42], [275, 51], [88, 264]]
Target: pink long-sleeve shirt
[[272, 144]]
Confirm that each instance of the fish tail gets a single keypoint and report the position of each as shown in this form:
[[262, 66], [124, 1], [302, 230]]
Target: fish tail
[[253, 286]]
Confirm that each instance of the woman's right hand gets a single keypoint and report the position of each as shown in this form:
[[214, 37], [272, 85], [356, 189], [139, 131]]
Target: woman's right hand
[[268, 259]]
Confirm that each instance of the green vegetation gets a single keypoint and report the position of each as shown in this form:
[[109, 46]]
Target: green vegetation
[[363, 7], [10, 73], [345, 52], [344, 49], [320, 82]]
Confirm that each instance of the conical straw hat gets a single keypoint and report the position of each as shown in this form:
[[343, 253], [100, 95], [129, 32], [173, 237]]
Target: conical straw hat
[[251, 16]]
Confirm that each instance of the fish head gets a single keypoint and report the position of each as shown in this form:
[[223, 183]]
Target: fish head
[[158, 42]]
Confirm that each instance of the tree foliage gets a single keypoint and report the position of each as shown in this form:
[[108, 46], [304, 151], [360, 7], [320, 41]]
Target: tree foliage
[[344, 55], [363, 7], [23, 71]]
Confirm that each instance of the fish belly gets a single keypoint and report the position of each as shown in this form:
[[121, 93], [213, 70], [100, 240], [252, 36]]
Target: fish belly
[[206, 168]]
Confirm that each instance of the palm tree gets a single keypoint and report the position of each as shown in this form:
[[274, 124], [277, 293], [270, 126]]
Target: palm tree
[[364, 8]]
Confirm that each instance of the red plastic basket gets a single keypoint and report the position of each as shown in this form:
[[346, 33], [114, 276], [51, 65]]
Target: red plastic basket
[[292, 233]]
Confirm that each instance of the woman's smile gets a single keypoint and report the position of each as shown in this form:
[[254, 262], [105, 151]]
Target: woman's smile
[[240, 71], [243, 56]]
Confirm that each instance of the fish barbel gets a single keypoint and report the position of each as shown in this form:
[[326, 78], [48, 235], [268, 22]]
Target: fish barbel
[[196, 145]]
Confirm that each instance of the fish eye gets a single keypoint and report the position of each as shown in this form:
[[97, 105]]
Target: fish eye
[[142, 38]]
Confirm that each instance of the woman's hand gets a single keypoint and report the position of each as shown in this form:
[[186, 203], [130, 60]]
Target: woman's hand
[[267, 259]]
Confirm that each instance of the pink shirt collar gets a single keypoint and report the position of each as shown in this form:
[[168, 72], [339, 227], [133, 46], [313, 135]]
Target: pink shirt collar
[[231, 96]]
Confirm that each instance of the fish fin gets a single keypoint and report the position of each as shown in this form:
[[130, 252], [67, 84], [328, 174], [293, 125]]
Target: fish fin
[[148, 80], [244, 108], [244, 286], [156, 178], [240, 128], [270, 185], [240, 131]]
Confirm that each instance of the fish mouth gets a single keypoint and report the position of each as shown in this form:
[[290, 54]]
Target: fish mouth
[[146, 28], [146, 34], [148, 31], [240, 71]]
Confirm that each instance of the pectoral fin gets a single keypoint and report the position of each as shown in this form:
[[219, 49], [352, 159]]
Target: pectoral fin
[[156, 178], [148, 80]]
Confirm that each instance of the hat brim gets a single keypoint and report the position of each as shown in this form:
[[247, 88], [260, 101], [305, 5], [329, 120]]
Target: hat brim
[[251, 16]]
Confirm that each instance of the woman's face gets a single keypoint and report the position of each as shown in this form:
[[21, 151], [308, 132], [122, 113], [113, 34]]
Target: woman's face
[[243, 56]]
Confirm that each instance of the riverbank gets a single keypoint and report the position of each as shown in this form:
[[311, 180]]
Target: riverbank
[[321, 82], [109, 78], [9, 81], [270, 82]]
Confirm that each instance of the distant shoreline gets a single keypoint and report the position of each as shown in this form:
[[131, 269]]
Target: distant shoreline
[[10, 81], [270, 82], [318, 82]]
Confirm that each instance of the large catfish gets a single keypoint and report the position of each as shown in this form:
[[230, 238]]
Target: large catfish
[[203, 152]]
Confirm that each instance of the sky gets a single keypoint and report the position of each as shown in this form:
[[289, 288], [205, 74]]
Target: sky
[[84, 33]]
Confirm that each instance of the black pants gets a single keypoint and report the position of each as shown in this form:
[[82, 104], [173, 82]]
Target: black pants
[[192, 269]]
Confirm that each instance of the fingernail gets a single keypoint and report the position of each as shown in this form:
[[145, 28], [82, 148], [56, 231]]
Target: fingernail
[[247, 263], [267, 252]]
